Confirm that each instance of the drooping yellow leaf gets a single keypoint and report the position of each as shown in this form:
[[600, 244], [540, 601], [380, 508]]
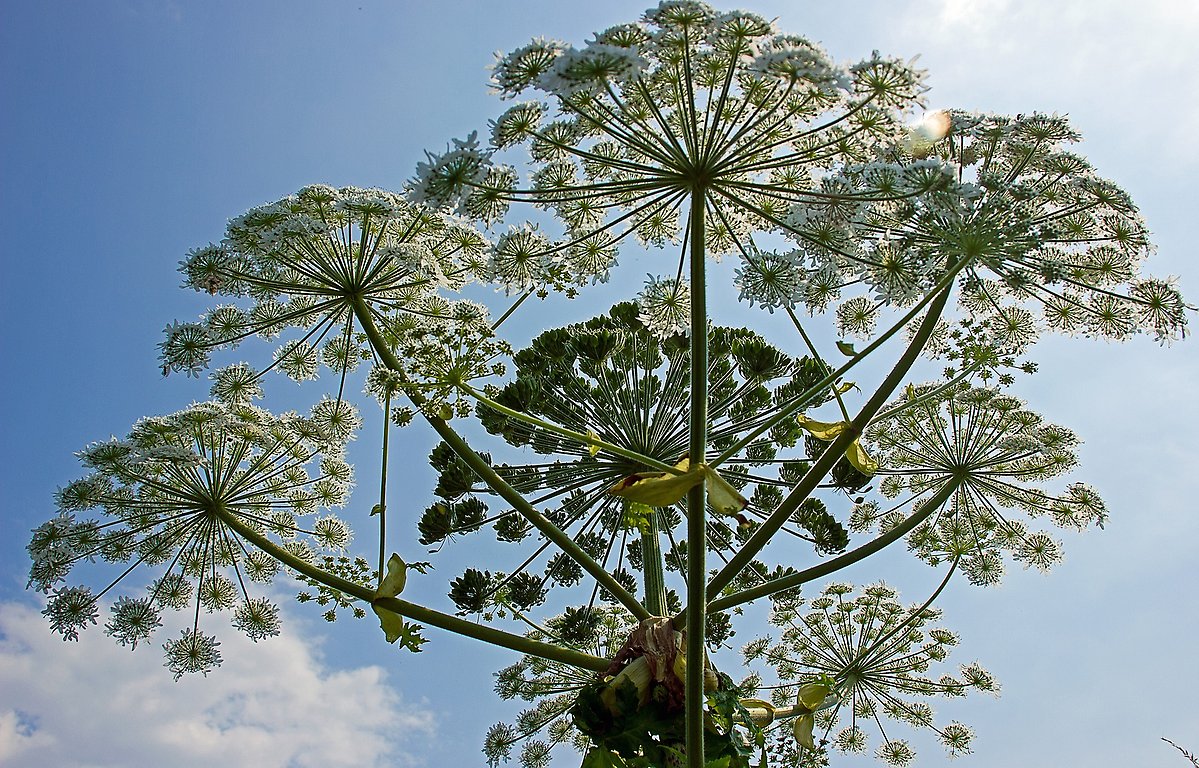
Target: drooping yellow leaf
[[593, 440], [392, 623], [861, 460], [823, 430], [659, 489], [802, 728], [723, 497], [845, 386]]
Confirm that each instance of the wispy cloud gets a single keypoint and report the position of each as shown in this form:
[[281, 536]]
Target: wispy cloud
[[275, 704]]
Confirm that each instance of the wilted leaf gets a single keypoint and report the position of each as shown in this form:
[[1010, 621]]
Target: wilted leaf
[[823, 430], [723, 497], [812, 695], [802, 728], [860, 459], [393, 625], [659, 489]]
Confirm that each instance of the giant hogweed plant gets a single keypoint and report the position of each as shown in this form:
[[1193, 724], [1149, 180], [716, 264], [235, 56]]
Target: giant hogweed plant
[[652, 471]]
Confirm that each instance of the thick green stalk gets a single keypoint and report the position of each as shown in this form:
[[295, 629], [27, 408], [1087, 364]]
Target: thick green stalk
[[484, 470], [697, 534], [653, 566], [412, 610], [842, 561], [835, 450]]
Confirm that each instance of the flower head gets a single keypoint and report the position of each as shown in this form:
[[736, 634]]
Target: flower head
[[308, 262], [992, 453], [171, 497], [876, 655]]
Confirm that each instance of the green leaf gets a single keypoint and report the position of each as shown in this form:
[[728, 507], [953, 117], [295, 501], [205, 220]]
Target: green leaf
[[393, 625], [395, 628], [396, 578], [846, 349], [598, 757], [636, 515], [812, 695], [377, 510], [801, 728]]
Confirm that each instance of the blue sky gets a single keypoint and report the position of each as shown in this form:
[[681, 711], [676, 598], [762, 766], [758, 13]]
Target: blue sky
[[130, 131]]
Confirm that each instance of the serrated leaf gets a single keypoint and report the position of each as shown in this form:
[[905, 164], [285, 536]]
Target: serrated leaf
[[395, 628], [636, 515], [846, 349]]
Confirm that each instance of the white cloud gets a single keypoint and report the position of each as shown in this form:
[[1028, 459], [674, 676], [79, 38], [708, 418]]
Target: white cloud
[[276, 703]]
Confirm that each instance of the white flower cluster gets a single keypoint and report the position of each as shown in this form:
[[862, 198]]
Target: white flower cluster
[[161, 494]]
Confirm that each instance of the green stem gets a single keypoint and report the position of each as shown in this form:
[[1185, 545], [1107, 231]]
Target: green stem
[[578, 437], [835, 450], [515, 305], [819, 359], [484, 470], [697, 534], [383, 490], [837, 563], [802, 400], [914, 614], [654, 571], [412, 610]]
